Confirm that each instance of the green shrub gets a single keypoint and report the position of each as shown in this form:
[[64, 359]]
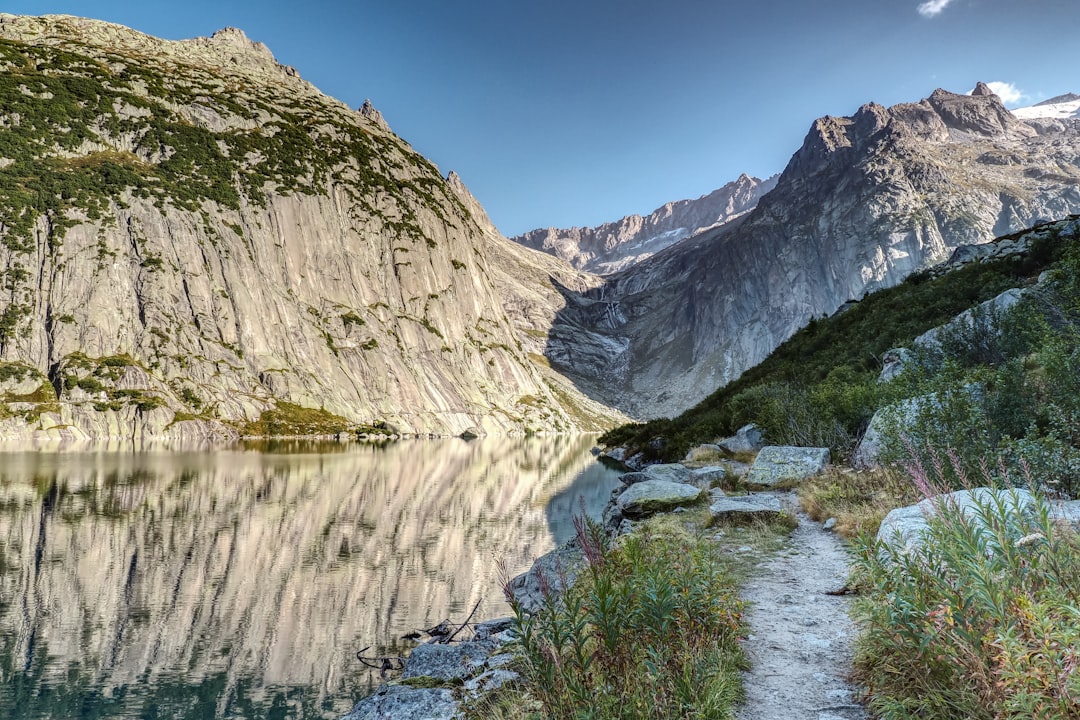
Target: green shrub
[[649, 631], [980, 622]]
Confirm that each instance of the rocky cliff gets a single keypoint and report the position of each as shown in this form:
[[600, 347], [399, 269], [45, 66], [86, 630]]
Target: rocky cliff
[[192, 236], [866, 200], [617, 245]]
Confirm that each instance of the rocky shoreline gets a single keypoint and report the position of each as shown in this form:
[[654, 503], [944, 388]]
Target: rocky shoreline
[[438, 680]]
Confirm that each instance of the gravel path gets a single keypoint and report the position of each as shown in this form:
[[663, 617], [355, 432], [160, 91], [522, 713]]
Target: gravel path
[[800, 639]]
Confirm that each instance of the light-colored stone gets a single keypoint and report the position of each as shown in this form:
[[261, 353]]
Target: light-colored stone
[[671, 472], [445, 662], [398, 702], [1067, 512], [894, 362], [779, 464], [653, 496], [748, 438], [705, 450], [743, 508], [547, 577], [706, 477], [983, 318], [907, 526]]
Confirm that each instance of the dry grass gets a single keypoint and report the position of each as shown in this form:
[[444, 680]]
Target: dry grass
[[858, 499]]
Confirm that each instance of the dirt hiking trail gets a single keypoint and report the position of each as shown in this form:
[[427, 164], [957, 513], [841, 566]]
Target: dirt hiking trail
[[800, 641]]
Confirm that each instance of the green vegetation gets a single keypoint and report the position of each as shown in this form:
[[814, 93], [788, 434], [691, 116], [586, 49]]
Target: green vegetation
[[70, 107], [650, 630], [820, 387], [287, 419], [98, 377], [981, 623]]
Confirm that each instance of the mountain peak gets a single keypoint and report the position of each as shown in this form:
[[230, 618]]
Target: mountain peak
[[1059, 99], [982, 88], [237, 38]]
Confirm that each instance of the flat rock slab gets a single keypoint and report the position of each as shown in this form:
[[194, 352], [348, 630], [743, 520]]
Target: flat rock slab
[[405, 703], [778, 464], [907, 526], [743, 508], [671, 472], [444, 662], [653, 496]]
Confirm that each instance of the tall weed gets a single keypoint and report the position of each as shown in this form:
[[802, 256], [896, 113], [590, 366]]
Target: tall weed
[[980, 620], [650, 630]]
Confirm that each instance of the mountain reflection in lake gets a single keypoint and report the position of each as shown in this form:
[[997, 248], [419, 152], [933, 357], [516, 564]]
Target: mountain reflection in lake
[[240, 583]]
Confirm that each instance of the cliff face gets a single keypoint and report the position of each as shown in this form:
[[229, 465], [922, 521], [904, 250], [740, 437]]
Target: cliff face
[[865, 201], [618, 245], [192, 235]]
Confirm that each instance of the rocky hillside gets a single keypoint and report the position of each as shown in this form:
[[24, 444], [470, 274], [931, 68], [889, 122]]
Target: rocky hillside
[[195, 241], [617, 245], [865, 201]]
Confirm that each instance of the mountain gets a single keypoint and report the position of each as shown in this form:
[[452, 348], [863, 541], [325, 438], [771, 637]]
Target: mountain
[[617, 245], [195, 241], [1060, 108], [865, 201]]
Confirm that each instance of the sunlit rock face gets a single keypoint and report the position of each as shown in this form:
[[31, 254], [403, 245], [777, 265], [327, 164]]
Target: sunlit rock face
[[865, 201], [618, 245], [263, 572], [241, 239]]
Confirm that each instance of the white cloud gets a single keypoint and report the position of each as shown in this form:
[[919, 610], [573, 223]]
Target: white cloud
[[932, 8], [1008, 92]]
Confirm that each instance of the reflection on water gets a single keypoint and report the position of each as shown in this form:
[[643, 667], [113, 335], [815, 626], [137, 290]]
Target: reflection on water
[[240, 583]]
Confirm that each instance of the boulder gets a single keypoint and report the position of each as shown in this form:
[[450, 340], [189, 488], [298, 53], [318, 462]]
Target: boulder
[[653, 496], [748, 438], [671, 472], [555, 570], [743, 508], [1068, 513], [705, 477], [632, 478], [982, 318], [405, 703], [777, 464], [445, 662], [907, 526], [894, 362]]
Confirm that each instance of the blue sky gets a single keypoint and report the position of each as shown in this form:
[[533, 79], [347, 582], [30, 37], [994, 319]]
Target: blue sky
[[577, 112]]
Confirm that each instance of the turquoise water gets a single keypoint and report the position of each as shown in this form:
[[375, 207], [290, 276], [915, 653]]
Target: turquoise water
[[240, 583]]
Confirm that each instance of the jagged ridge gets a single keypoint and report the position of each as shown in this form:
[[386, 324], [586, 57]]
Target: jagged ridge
[[617, 245], [867, 200]]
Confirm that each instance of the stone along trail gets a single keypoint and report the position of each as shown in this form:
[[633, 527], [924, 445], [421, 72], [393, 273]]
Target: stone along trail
[[800, 643]]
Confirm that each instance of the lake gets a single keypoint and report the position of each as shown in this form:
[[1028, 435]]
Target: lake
[[239, 583]]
